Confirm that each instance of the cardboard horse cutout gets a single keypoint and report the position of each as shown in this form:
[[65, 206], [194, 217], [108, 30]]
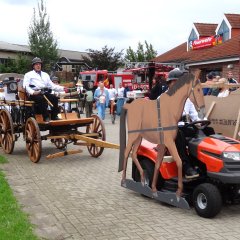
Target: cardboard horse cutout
[[157, 122]]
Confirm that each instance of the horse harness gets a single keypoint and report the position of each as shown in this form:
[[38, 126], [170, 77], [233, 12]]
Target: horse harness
[[159, 128]]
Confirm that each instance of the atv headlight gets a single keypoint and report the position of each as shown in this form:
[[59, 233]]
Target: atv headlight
[[232, 155]]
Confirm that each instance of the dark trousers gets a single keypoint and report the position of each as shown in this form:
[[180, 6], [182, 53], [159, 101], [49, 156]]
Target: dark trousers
[[181, 145], [88, 108], [42, 104]]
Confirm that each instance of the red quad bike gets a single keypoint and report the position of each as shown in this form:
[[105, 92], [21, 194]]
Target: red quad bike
[[217, 158]]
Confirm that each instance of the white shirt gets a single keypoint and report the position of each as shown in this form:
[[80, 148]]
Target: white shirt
[[189, 109], [112, 93], [120, 92], [224, 93], [40, 81]]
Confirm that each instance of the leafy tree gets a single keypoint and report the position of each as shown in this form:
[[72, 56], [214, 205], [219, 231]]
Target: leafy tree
[[141, 55], [41, 41], [8, 66], [104, 59], [23, 64], [19, 65]]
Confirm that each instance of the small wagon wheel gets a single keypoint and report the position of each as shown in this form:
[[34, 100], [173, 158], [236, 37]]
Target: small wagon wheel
[[96, 127], [7, 139], [60, 143], [33, 140]]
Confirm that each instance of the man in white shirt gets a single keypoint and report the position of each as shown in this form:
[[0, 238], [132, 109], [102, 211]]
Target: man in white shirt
[[112, 92], [38, 86], [120, 98]]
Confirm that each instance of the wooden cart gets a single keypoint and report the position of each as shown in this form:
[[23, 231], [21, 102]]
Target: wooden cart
[[18, 117]]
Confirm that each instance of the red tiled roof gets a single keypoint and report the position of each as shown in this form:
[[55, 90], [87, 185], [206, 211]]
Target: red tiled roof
[[174, 55], [206, 29], [234, 20], [228, 49]]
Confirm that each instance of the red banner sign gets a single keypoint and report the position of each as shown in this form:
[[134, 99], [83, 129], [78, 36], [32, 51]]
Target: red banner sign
[[205, 42]]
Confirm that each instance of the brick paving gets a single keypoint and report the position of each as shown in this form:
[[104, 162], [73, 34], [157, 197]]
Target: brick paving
[[79, 197]]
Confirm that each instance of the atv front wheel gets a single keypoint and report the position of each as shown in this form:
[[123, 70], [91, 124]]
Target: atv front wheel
[[207, 200]]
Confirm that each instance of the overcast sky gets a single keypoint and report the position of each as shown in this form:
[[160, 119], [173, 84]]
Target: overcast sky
[[82, 24]]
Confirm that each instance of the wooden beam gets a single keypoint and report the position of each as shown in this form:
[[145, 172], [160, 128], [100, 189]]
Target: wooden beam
[[97, 142], [64, 100], [62, 154], [71, 121], [59, 137], [210, 109], [220, 85]]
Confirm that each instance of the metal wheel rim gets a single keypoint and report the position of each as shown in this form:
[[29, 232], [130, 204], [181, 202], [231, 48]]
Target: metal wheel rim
[[33, 140], [6, 132], [202, 201], [94, 150]]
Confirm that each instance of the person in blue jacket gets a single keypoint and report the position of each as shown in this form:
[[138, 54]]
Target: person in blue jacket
[[101, 97]]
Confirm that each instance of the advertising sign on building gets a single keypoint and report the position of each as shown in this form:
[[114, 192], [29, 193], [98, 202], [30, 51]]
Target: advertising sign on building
[[205, 42]]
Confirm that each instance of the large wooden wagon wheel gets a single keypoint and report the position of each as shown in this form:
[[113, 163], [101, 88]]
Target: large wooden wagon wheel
[[33, 140], [96, 127], [7, 139]]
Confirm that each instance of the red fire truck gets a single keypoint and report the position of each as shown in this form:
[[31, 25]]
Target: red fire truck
[[96, 76], [134, 75]]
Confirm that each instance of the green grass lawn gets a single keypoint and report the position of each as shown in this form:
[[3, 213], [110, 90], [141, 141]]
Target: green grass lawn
[[14, 224], [3, 159]]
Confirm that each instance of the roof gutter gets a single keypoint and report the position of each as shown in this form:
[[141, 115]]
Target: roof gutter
[[213, 61]]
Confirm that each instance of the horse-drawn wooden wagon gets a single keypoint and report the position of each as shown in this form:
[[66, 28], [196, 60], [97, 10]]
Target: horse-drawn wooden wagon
[[18, 116]]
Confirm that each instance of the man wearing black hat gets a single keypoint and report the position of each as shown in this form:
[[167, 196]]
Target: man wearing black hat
[[38, 86]]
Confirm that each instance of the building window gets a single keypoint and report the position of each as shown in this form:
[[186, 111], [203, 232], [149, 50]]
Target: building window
[[4, 60], [73, 68], [223, 31], [193, 36]]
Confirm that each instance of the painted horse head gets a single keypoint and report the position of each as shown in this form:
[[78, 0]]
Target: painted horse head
[[194, 90]]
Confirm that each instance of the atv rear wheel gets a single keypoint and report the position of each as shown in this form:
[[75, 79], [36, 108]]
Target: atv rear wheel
[[207, 200]]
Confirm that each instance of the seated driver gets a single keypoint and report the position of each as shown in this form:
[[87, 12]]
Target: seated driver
[[35, 82], [189, 111], [189, 115]]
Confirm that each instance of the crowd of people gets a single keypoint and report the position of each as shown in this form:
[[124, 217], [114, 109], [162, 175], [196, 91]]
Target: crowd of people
[[38, 85], [37, 80], [214, 78]]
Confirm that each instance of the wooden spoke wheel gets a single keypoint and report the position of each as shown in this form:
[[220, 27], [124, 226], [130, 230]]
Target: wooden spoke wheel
[[7, 139], [96, 127], [60, 143], [33, 140]]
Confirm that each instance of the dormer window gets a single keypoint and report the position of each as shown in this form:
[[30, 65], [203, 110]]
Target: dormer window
[[193, 36], [223, 31]]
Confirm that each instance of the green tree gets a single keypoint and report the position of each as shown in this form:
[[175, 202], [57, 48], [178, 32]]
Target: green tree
[[19, 65], [8, 67], [41, 41], [104, 59], [143, 54], [23, 63]]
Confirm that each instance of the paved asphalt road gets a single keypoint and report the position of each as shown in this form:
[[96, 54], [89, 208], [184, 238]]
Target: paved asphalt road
[[79, 197]]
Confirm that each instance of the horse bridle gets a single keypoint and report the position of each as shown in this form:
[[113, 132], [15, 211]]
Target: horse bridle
[[192, 92]]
